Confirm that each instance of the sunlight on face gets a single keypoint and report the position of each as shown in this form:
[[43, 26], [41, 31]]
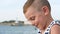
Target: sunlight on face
[[35, 17]]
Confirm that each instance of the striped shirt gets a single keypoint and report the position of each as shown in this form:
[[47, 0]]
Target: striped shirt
[[47, 31]]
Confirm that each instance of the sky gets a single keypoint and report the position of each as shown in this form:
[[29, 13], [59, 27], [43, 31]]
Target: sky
[[13, 10]]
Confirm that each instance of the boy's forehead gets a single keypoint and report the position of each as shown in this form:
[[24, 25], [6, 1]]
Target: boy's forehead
[[30, 13], [30, 10]]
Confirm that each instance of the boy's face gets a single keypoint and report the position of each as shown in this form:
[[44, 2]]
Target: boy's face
[[37, 18]]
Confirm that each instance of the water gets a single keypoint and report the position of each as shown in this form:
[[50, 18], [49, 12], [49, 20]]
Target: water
[[17, 30]]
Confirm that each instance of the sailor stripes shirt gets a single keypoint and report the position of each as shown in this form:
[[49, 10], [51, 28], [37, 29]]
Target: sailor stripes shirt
[[47, 31]]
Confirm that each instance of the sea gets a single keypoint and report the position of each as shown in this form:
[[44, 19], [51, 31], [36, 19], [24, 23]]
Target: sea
[[18, 29]]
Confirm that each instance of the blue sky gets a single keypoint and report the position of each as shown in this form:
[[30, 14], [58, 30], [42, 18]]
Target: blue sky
[[13, 9]]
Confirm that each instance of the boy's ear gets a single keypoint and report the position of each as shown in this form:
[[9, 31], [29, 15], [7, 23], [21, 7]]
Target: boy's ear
[[45, 10]]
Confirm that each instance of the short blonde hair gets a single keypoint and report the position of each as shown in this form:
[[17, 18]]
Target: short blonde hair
[[40, 3]]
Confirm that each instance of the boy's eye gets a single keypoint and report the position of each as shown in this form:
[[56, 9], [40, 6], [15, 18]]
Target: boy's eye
[[32, 18]]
